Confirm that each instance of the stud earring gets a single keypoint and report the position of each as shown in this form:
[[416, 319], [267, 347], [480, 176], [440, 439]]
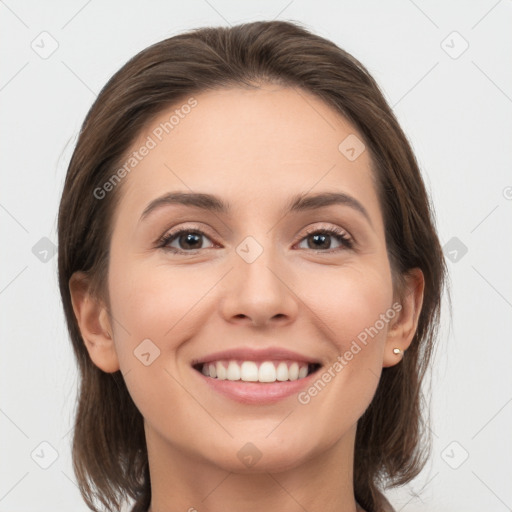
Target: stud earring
[[397, 351]]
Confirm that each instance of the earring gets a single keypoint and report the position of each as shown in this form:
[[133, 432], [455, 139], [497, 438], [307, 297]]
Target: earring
[[397, 351]]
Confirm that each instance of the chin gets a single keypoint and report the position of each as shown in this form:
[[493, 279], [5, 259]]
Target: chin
[[263, 455]]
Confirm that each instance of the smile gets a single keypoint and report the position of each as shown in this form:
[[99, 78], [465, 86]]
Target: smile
[[256, 371]]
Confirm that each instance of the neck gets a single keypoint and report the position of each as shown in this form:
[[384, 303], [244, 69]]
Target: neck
[[181, 481]]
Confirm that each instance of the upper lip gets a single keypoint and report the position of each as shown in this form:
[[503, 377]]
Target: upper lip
[[254, 354]]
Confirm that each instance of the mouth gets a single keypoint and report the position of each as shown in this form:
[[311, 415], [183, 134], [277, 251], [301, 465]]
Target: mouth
[[264, 372]]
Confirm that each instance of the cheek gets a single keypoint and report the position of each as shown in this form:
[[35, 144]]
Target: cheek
[[351, 302], [151, 305], [151, 302], [355, 309], [153, 314]]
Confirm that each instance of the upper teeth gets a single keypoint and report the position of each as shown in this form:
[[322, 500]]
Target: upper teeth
[[249, 371]]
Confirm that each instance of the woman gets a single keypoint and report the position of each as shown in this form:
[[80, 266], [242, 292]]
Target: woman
[[251, 277]]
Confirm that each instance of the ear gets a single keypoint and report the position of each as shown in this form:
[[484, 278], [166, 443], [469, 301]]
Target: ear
[[403, 327], [93, 321]]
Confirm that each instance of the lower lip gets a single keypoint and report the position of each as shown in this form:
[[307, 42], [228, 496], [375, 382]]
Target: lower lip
[[257, 392]]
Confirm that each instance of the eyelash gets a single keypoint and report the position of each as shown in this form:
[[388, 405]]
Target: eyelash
[[338, 233]]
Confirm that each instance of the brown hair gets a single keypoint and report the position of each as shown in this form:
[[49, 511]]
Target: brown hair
[[109, 449]]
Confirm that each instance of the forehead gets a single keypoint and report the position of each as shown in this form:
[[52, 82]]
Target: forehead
[[249, 145]]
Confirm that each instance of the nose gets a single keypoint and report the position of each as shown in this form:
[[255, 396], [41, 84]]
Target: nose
[[259, 293]]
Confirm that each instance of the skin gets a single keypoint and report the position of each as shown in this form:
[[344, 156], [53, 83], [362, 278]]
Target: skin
[[255, 149]]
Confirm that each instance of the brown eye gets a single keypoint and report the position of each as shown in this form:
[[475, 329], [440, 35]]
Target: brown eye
[[187, 240], [320, 239]]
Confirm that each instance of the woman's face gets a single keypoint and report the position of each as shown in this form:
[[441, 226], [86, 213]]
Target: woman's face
[[261, 281]]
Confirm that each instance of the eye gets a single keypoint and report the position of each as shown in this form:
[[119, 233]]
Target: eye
[[188, 240], [320, 239]]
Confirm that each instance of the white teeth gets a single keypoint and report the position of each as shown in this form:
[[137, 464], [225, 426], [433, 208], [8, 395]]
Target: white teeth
[[293, 371], [267, 372], [221, 371], [233, 372], [249, 371], [282, 372]]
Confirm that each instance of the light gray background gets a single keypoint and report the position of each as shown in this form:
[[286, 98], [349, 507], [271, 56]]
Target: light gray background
[[455, 107]]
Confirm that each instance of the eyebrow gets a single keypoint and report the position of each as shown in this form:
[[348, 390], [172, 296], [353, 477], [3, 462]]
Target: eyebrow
[[298, 203]]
